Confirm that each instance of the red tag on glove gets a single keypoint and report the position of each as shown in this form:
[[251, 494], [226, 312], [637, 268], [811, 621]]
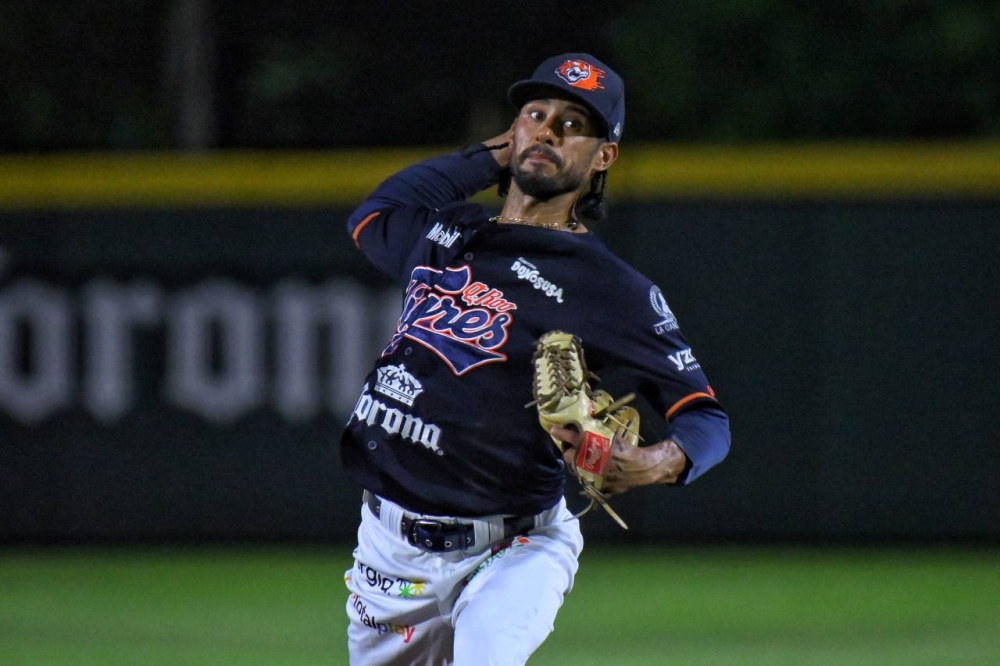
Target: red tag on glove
[[592, 456]]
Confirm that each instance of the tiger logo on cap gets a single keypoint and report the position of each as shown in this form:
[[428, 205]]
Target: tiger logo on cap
[[581, 74]]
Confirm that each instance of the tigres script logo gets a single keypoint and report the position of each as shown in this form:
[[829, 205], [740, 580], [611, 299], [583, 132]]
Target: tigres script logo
[[462, 321]]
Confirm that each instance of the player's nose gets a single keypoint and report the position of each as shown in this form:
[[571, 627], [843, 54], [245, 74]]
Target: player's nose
[[547, 132]]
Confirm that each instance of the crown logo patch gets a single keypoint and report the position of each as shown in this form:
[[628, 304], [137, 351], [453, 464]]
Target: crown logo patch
[[394, 381]]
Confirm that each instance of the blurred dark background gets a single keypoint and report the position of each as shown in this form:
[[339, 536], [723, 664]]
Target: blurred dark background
[[138, 74], [180, 370]]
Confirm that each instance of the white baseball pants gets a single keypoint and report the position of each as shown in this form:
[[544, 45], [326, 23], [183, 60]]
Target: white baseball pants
[[492, 605]]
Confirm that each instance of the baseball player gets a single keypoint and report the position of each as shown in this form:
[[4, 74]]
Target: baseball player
[[466, 547]]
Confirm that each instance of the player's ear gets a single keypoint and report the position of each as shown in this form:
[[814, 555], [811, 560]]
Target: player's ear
[[606, 155]]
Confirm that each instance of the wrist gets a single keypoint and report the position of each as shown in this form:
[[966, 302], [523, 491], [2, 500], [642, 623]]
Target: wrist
[[673, 462]]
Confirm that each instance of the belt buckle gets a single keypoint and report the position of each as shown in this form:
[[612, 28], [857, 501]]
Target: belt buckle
[[435, 527]]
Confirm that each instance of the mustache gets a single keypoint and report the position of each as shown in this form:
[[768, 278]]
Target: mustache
[[544, 151]]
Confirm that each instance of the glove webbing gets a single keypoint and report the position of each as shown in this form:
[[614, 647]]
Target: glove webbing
[[564, 398]]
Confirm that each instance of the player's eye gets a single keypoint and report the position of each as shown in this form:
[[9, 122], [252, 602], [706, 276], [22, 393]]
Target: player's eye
[[536, 115]]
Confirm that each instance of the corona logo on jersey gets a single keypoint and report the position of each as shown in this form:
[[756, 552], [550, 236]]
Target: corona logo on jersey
[[580, 74], [461, 320], [395, 382], [372, 412]]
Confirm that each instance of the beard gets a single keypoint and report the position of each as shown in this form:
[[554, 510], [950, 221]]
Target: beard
[[539, 185]]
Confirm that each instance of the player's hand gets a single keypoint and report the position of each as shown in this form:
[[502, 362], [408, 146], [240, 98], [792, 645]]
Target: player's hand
[[630, 466], [502, 155], [633, 466]]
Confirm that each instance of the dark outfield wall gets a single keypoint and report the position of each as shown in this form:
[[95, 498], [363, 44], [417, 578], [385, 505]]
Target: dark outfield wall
[[184, 375]]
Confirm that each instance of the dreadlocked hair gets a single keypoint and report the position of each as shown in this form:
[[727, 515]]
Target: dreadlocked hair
[[590, 206]]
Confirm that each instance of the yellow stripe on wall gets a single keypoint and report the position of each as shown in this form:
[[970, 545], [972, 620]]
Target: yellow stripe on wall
[[643, 172], [812, 170], [227, 179]]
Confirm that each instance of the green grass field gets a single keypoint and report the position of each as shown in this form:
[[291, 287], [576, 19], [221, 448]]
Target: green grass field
[[707, 606]]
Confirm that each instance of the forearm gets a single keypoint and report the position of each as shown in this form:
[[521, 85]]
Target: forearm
[[393, 214], [437, 182], [697, 440], [672, 462]]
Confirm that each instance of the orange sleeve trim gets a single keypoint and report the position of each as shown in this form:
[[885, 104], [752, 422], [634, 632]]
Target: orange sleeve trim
[[361, 225], [685, 400]]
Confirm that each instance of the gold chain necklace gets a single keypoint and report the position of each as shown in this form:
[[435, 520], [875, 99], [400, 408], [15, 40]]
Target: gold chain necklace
[[569, 226]]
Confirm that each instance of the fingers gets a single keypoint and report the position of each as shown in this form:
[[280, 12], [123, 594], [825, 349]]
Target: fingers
[[569, 457], [625, 468], [620, 446], [500, 138], [614, 481], [567, 435], [571, 440]]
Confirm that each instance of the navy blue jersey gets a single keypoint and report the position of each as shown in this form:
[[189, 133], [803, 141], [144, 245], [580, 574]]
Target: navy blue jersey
[[441, 426]]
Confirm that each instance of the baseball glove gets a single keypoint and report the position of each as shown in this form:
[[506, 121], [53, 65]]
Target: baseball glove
[[564, 397]]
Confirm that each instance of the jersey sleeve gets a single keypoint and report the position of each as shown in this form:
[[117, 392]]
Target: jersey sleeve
[[419, 215], [703, 435], [664, 370]]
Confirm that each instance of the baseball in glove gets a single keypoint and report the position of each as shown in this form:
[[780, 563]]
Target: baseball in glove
[[564, 397]]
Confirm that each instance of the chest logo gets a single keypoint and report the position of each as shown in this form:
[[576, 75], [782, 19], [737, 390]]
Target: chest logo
[[463, 321], [525, 270], [444, 236], [395, 382]]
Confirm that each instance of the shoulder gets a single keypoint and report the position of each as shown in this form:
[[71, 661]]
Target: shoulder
[[619, 274], [630, 292]]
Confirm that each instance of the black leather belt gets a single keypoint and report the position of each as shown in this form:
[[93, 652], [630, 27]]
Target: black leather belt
[[441, 537]]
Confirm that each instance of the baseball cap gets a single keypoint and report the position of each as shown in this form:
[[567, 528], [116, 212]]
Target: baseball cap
[[584, 78]]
